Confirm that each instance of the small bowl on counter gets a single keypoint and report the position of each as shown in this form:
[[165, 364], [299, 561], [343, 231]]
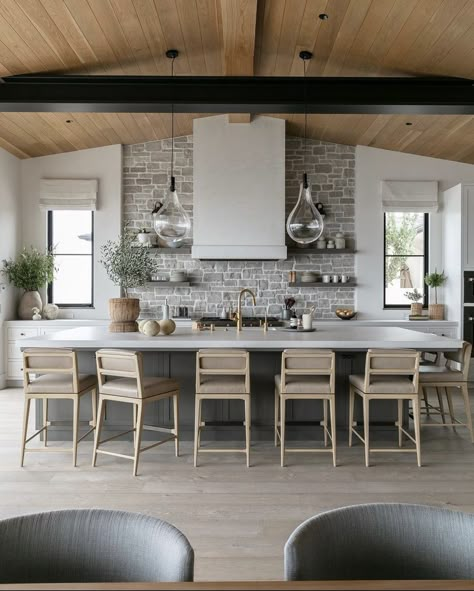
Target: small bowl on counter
[[345, 313]]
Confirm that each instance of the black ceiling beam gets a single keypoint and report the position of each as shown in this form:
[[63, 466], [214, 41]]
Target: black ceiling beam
[[193, 94]]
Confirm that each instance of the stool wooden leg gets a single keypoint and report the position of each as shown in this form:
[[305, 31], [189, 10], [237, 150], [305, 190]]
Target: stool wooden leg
[[351, 413], [94, 407], [134, 424], [197, 428], [176, 423], [26, 416], [325, 422], [282, 429], [416, 422], [425, 398], [75, 429], [467, 406], [449, 398], [98, 429], [277, 413], [399, 423], [441, 405], [138, 439], [365, 401], [332, 410], [247, 429], [45, 421]]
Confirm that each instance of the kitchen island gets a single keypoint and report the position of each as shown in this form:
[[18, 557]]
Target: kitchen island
[[174, 356]]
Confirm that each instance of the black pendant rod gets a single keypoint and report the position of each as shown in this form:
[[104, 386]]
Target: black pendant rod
[[305, 56], [172, 54]]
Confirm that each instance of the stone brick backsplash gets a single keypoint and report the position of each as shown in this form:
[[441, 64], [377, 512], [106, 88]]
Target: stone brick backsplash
[[214, 284]]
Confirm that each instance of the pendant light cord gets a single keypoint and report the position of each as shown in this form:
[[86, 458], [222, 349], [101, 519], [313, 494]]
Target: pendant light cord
[[305, 176], [172, 185]]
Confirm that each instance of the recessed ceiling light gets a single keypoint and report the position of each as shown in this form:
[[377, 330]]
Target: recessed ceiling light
[[68, 120], [323, 16], [408, 123]]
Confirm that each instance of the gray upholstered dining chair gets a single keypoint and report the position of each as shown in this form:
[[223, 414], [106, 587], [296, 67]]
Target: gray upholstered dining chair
[[382, 541], [92, 546]]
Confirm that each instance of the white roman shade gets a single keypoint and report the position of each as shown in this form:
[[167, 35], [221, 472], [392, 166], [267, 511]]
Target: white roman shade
[[68, 194], [410, 196]]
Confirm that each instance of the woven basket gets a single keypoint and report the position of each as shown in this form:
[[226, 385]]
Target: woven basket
[[416, 309], [436, 311]]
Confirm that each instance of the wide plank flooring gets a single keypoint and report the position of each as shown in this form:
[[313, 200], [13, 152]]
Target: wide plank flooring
[[237, 519]]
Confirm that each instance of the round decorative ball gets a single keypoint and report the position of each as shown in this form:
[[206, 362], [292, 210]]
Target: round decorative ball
[[142, 323], [151, 328], [50, 312], [167, 326]]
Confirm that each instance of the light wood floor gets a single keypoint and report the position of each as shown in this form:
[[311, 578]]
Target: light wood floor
[[237, 519]]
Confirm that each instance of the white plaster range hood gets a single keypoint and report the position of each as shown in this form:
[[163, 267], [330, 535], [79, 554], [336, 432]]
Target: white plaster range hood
[[239, 189]]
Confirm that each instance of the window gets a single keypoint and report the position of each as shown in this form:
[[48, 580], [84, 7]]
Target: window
[[71, 235], [405, 257]]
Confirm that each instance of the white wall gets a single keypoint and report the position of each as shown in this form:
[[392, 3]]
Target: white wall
[[104, 164], [373, 166], [9, 237]]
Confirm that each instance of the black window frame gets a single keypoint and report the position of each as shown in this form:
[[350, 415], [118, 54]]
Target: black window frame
[[426, 242], [51, 247]]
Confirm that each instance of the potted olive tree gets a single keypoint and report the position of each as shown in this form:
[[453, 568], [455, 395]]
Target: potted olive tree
[[31, 271], [127, 267], [435, 280]]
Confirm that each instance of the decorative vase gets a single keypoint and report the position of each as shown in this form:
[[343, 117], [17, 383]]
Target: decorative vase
[[436, 311], [28, 301], [416, 309], [144, 238], [124, 313]]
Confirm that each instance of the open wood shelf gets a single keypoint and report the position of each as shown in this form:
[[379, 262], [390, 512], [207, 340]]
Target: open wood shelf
[[169, 283], [163, 250], [321, 284], [297, 251]]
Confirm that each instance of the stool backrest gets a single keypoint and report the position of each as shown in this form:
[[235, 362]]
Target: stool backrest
[[462, 357], [392, 362], [47, 361], [308, 362], [120, 363], [222, 362]]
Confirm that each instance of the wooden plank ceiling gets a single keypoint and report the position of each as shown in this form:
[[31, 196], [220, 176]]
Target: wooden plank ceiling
[[230, 37]]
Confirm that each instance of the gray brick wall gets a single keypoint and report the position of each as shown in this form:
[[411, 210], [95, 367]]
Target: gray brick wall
[[331, 169]]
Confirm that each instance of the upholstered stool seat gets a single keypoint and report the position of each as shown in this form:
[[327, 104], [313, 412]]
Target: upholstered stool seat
[[390, 374], [306, 374], [451, 378], [128, 387], [53, 373], [221, 374], [121, 379]]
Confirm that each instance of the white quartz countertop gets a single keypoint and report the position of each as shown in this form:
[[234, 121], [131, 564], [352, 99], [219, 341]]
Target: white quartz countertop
[[344, 337]]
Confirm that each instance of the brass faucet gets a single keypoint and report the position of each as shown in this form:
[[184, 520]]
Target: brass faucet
[[239, 307]]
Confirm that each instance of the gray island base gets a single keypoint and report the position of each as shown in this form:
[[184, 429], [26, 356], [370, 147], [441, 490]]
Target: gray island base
[[174, 356]]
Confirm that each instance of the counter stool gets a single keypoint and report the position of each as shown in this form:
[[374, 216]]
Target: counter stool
[[390, 374], [452, 377], [121, 379], [56, 378], [306, 374], [222, 374]]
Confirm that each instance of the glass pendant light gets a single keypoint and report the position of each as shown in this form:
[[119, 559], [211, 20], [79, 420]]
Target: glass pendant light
[[305, 223], [172, 223]]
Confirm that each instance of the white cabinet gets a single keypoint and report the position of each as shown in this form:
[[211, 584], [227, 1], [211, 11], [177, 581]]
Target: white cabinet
[[15, 330], [468, 229]]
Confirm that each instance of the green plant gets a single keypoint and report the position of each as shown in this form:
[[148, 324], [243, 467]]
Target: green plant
[[125, 265], [414, 296], [32, 269], [435, 280]]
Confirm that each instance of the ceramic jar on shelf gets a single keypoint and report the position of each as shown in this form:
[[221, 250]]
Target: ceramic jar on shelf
[[340, 240]]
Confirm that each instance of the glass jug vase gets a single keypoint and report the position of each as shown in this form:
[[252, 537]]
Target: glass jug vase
[[172, 223], [304, 224]]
